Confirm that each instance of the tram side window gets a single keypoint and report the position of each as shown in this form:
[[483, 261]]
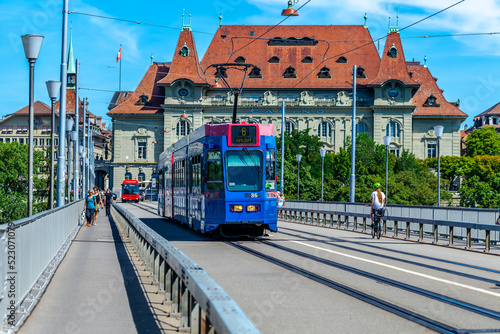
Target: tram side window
[[214, 170], [160, 179], [270, 170]]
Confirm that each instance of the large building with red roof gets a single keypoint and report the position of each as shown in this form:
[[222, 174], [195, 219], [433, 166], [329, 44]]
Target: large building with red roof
[[309, 68]]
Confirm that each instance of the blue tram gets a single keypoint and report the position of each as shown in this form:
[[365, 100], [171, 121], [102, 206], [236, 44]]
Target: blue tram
[[221, 178]]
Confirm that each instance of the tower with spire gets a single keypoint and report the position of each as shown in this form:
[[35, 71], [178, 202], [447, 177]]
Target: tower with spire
[[71, 77]]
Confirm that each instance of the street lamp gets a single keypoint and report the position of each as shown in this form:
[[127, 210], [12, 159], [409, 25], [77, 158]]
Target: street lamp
[[53, 90], [387, 142], [32, 45], [322, 152], [438, 129], [298, 156], [81, 150]]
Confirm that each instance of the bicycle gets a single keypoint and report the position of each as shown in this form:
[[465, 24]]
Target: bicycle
[[377, 218]]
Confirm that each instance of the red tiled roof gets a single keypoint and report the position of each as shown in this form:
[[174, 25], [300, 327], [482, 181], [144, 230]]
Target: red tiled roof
[[148, 86], [393, 68], [333, 41], [427, 88], [39, 108], [186, 67], [495, 110]]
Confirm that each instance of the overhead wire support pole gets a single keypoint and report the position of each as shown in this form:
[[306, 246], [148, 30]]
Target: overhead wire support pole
[[76, 154], [353, 145], [84, 190], [61, 173], [282, 147]]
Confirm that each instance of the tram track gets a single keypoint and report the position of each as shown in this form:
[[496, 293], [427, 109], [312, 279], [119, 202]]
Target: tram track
[[375, 301]]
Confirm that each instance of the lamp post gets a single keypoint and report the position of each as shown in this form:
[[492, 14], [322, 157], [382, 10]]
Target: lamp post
[[32, 45], [298, 156], [53, 90], [282, 187], [69, 128], [322, 152], [438, 129], [387, 142], [81, 150]]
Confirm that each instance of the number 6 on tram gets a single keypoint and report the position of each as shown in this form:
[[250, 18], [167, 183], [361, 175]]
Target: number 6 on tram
[[221, 178]]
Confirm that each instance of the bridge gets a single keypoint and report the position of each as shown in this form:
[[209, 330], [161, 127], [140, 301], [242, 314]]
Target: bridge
[[434, 270]]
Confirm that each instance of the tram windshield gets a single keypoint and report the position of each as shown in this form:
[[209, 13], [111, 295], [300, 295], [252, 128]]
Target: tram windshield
[[244, 170]]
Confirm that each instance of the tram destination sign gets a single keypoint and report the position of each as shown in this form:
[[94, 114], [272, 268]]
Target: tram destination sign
[[243, 134]]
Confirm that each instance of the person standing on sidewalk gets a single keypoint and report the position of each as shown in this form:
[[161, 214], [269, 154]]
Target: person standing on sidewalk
[[90, 205], [108, 200]]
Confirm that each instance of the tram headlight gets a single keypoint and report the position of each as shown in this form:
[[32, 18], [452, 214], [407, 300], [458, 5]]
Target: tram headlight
[[253, 208], [236, 208]]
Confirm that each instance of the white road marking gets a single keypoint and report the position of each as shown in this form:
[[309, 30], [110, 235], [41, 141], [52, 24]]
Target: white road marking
[[403, 270]]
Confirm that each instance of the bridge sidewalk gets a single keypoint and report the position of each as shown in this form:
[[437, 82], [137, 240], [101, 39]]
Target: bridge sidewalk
[[95, 289]]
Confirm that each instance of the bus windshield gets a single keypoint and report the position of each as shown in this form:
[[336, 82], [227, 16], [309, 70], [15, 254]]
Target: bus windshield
[[130, 189], [244, 170]]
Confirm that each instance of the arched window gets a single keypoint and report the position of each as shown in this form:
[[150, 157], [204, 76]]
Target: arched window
[[141, 178], [324, 73], [361, 128], [289, 127], [128, 176], [325, 130], [290, 73], [360, 72], [255, 73], [183, 128], [274, 60], [240, 59], [393, 129], [307, 59], [342, 60]]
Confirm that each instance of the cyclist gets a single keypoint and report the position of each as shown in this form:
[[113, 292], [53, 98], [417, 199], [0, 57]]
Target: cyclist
[[378, 199]]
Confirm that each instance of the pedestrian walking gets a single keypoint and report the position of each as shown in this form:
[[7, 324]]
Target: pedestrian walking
[[99, 204], [108, 200], [281, 203], [90, 205]]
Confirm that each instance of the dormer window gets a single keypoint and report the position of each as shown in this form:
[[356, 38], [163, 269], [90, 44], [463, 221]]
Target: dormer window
[[360, 72], [289, 73], [431, 102], [255, 73], [143, 99], [240, 60], [393, 51], [221, 72], [342, 60], [324, 73], [184, 52], [274, 60], [307, 60]]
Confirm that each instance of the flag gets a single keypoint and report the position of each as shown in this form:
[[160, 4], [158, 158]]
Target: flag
[[119, 55]]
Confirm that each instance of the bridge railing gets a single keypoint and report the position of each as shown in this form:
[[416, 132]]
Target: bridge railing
[[30, 251], [194, 297], [420, 221]]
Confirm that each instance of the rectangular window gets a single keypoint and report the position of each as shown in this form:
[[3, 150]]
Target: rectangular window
[[1, 140], [7, 140], [270, 170], [42, 142], [214, 170], [431, 150], [395, 152], [35, 142], [21, 140], [19, 129], [14, 139], [141, 150]]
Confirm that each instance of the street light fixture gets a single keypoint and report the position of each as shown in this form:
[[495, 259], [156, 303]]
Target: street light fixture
[[53, 88], [387, 142], [438, 129], [32, 44], [298, 156], [322, 152]]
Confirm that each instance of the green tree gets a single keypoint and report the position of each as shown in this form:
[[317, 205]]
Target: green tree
[[484, 141], [14, 182]]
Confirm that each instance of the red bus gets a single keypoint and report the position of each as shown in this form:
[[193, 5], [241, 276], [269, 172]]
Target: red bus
[[130, 191]]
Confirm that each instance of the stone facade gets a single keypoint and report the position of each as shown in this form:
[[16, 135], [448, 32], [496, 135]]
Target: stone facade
[[394, 97]]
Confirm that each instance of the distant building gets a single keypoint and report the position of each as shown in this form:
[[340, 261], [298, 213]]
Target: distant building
[[310, 68], [489, 117]]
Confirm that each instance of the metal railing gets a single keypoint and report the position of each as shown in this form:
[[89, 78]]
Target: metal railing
[[449, 223], [30, 251], [194, 297]]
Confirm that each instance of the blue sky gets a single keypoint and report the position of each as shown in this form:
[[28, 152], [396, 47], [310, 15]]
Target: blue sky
[[467, 67]]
